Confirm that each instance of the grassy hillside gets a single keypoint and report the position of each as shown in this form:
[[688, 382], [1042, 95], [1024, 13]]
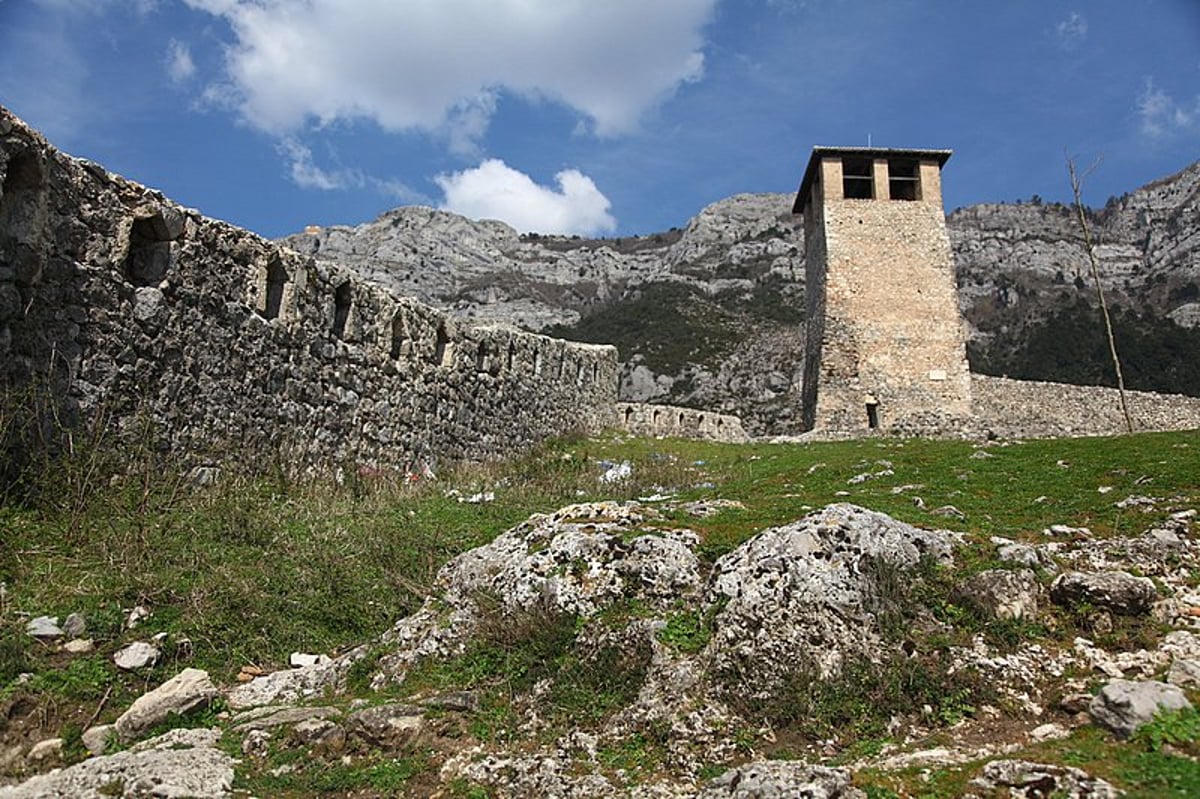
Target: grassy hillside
[[249, 570]]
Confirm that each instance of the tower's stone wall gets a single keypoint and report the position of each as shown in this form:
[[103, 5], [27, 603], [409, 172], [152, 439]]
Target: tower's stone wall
[[886, 341]]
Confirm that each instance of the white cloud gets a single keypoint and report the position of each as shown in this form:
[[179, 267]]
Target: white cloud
[[1072, 31], [439, 66], [493, 190], [180, 66], [305, 173], [1161, 114]]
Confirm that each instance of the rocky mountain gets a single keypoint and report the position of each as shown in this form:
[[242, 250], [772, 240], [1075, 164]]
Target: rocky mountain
[[711, 315]]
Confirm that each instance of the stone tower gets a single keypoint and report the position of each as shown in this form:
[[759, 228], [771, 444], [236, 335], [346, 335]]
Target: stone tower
[[886, 344]]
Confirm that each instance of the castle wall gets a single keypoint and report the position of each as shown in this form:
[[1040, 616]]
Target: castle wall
[[124, 314], [885, 315], [669, 421]]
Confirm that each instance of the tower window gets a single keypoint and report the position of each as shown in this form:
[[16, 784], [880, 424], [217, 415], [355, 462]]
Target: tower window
[[858, 178], [904, 181]]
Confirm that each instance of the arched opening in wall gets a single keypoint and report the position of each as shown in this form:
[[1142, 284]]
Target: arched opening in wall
[[441, 347], [720, 425], [700, 421], [537, 362], [595, 373], [654, 419], [398, 338], [682, 419], [149, 255], [562, 366], [579, 374], [277, 278], [341, 309], [628, 416], [512, 355], [481, 357]]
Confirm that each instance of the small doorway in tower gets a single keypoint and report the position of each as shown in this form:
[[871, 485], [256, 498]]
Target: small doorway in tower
[[872, 413]]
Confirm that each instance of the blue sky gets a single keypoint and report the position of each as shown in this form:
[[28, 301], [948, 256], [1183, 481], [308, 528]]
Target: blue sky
[[595, 116]]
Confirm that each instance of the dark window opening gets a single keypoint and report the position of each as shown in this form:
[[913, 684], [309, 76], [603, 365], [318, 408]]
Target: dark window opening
[[149, 255], [562, 366], [873, 415], [682, 417], [904, 179], [537, 362], [341, 309], [628, 416], [397, 348], [512, 355], [277, 278], [858, 178], [481, 358], [595, 373]]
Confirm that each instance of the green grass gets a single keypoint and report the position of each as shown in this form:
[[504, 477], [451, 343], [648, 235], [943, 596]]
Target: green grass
[[254, 568]]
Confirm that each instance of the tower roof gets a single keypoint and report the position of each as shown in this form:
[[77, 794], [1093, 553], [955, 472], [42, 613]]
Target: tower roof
[[819, 152]]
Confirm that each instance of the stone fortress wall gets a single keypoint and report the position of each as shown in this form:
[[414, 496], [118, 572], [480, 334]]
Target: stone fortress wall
[[120, 310], [670, 421]]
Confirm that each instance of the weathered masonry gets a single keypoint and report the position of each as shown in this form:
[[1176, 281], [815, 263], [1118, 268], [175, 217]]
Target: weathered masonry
[[885, 341], [125, 316]]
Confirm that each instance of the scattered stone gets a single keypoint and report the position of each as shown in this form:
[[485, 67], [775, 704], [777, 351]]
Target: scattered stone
[[96, 739], [300, 660], [256, 744], [1003, 593], [1123, 705], [386, 726], [1024, 780], [1117, 591], [1067, 530], [44, 627], [248, 673], [782, 779], [136, 615], [138, 655], [79, 646], [705, 508], [1147, 504], [455, 701], [47, 750], [981, 454], [75, 626], [615, 472], [948, 510], [178, 764], [1049, 732], [1185, 673], [183, 693]]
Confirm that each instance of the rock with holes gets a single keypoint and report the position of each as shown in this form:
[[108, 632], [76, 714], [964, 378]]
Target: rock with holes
[[1115, 591], [1003, 593], [1021, 779], [1123, 705], [782, 779], [805, 595], [575, 561], [189, 690]]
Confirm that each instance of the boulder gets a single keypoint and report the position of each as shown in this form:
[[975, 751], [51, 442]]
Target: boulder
[[805, 594], [1003, 593], [95, 739], [75, 626], [138, 655], [1123, 705], [782, 779], [44, 627], [1115, 591], [183, 693]]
